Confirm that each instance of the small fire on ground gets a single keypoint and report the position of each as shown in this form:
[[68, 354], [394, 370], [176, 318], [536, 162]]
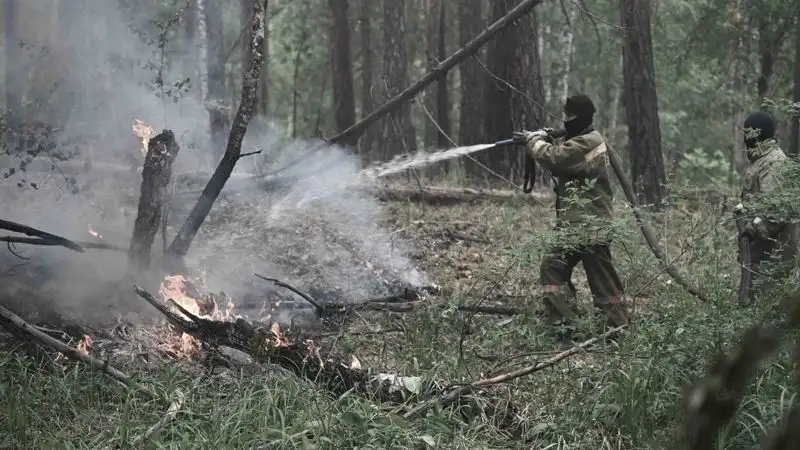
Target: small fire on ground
[[144, 132]]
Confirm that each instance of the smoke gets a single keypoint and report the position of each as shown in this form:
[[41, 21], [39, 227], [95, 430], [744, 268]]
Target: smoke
[[332, 244]]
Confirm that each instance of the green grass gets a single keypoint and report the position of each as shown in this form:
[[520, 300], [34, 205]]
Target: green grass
[[626, 394]]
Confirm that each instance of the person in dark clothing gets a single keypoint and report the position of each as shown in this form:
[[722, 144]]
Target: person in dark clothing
[[584, 212], [770, 239]]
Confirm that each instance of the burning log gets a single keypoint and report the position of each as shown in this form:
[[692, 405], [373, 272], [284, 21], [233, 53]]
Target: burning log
[[161, 153], [269, 344]]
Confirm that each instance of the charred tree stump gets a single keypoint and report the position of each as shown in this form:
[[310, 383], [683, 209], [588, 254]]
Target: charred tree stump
[[161, 153]]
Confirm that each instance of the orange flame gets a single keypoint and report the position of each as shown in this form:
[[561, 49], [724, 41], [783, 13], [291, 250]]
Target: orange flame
[[144, 132], [94, 233]]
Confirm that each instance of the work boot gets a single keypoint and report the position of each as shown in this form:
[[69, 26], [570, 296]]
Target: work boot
[[559, 303], [616, 309]]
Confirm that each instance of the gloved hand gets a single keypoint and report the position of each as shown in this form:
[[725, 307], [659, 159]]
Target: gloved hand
[[529, 137], [757, 229]]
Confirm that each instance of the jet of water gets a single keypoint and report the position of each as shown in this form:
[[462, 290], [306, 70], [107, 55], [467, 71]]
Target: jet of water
[[419, 159]]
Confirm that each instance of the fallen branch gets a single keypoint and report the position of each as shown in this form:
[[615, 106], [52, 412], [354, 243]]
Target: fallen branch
[[51, 243], [452, 396], [30, 231], [320, 309], [440, 195], [13, 323], [648, 232], [183, 240]]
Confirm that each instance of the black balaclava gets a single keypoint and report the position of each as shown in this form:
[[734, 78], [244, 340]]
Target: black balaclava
[[761, 121], [582, 108]]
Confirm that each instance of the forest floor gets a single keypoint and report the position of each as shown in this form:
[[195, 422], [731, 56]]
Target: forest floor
[[623, 394]]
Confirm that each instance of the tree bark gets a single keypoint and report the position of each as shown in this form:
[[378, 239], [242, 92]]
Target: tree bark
[[180, 245], [14, 73], [437, 126], [738, 162], [567, 39], [342, 68], [527, 100], [367, 78], [442, 92], [794, 139], [641, 105], [161, 153], [398, 131], [218, 117], [497, 94], [471, 75]]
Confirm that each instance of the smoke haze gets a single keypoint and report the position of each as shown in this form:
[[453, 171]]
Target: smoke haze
[[104, 72]]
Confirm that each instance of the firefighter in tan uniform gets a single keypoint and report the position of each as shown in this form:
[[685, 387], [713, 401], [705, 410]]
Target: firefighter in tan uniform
[[770, 240], [584, 211]]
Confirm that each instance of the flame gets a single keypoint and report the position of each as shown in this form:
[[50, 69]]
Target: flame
[[280, 340], [144, 132], [85, 344], [94, 233], [184, 291]]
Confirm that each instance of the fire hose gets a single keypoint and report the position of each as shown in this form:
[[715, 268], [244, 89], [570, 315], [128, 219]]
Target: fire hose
[[627, 188]]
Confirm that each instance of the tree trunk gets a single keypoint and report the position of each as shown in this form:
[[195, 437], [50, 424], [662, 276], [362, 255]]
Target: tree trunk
[[367, 80], [344, 103], [398, 136], [14, 73], [499, 123], [472, 103], [567, 40], [442, 93], [437, 126], [218, 116], [544, 35], [156, 173], [766, 54], [183, 240], [262, 104], [738, 162], [525, 75], [641, 105], [794, 140]]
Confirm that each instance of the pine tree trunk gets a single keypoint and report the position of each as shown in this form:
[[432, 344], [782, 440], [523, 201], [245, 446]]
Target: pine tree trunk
[[217, 111], [641, 105], [525, 76], [342, 68], [472, 108], [398, 131], [14, 73], [794, 139], [367, 81], [499, 123], [567, 42]]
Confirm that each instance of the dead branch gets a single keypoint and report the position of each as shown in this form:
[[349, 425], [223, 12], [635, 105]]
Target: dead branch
[[441, 195], [306, 297], [648, 232], [183, 240], [161, 153], [30, 231], [51, 243], [449, 398], [15, 324]]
